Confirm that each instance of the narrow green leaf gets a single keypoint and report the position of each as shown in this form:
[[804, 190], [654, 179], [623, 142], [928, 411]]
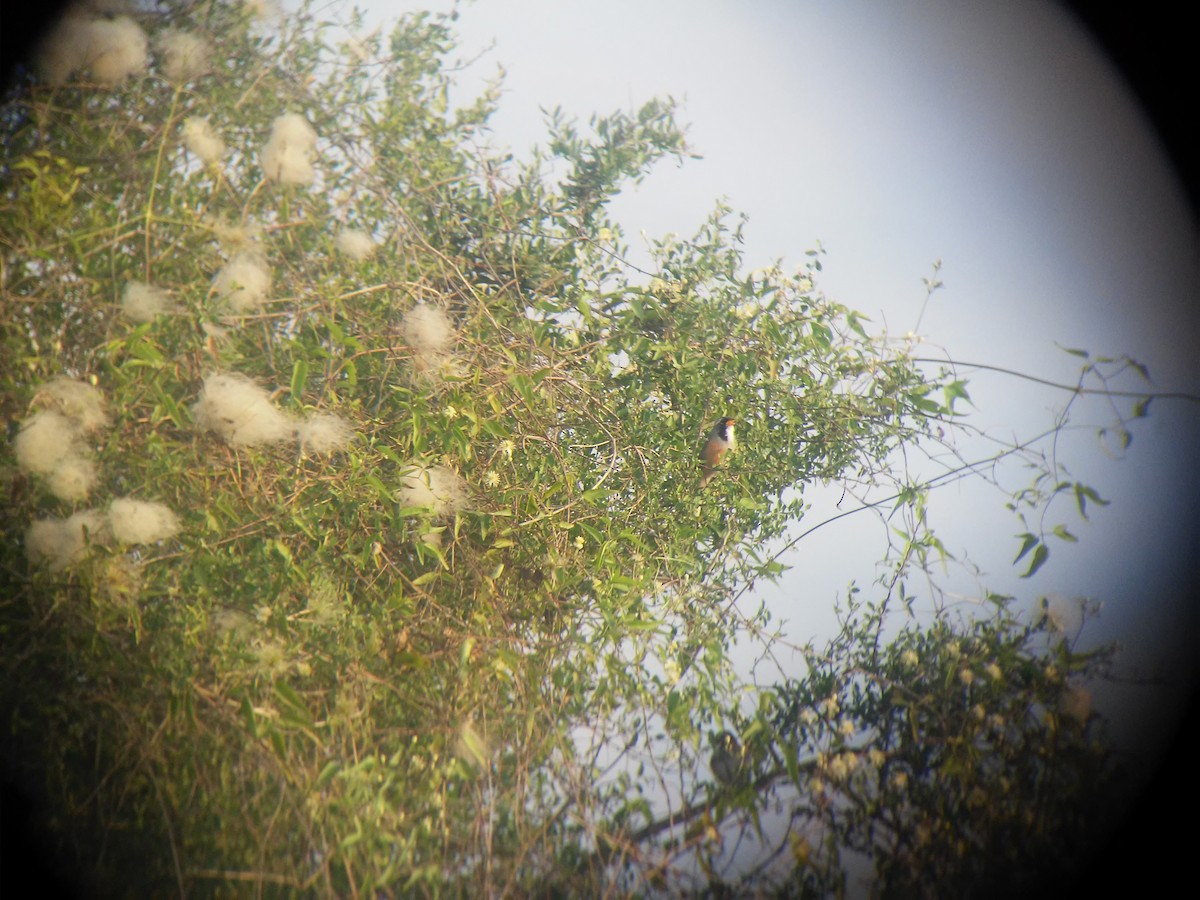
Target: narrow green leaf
[[1028, 542], [299, 378], [1040, 555], [1060, 531]]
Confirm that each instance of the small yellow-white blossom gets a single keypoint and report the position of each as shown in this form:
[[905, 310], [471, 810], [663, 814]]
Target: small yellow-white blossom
[[966, 676], [846, 728], [993, 671], [909, 657]]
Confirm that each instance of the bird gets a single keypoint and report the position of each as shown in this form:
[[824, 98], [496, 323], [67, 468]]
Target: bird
[[726, 760], [720, 441]]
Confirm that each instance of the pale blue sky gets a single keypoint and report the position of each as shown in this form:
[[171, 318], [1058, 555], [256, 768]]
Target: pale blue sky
[[991, 135]]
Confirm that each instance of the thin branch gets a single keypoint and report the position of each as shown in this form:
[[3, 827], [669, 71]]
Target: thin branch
[[1072, 388]]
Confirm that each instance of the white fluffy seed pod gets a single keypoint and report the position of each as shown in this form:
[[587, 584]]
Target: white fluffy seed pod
[[244, 282], [202, 140], [119, 48], [144, 303], [44, 441], [241, 412], [356, 244], [59, 543], [82, 403], [437, 488], [141, 522], [324, 433], [287, 155], [186, 56], [73, 478]]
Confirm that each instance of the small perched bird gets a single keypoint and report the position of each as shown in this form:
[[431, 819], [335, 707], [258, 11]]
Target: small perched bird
[[720, 441], [726, 760]]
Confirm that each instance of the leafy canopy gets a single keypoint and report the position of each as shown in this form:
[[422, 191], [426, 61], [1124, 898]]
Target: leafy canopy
[[443, 604]]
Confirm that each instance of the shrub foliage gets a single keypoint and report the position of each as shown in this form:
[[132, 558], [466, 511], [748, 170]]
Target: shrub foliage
[[421, 592]]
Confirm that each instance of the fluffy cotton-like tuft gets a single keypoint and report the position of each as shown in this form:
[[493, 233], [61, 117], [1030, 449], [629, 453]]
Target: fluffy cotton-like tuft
[[44, 441], [355, 244], [236, 236], [139, 522], [58, 543], [324, 433], [438, 488], [428, 328], [186, 56], [241, 412], [287, 156], [202, 140], [244, 282], [73, 478], [144, 303], [79, 401], [118, 48]]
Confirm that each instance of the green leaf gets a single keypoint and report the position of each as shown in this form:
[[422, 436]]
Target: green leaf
[[326, 775], [1040, 554], [954, 391], [1028, 542], [1083, 494], [299, 379], [293, 710], [1060, 531]]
